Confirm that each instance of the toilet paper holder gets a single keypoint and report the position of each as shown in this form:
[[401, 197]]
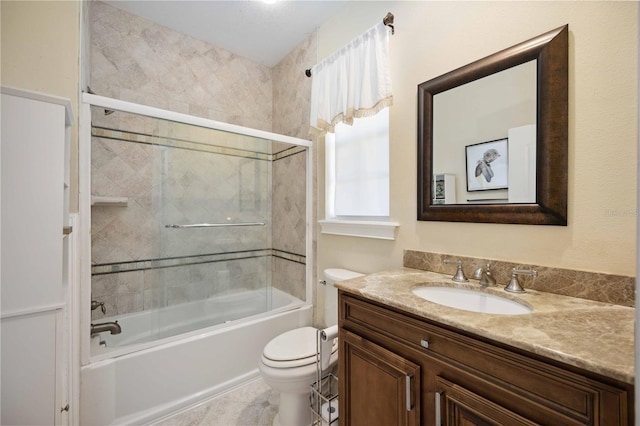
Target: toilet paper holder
[[324, 391], [324, 401]]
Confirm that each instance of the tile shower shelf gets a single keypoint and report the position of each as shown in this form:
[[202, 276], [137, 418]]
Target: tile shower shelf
[[99, 201]]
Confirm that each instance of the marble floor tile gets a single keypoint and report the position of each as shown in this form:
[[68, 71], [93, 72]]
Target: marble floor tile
[[253, 404]]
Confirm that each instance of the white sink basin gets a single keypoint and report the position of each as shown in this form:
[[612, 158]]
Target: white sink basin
[[471, 300]]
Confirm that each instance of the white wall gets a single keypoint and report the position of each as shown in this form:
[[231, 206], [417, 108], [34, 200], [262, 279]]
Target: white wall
[[433, 38]]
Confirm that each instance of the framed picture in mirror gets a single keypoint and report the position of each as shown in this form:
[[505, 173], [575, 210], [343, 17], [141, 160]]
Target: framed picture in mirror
[[487, 165]]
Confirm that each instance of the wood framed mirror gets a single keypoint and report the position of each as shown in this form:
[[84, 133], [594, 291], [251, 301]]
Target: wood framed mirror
[[547, 56]]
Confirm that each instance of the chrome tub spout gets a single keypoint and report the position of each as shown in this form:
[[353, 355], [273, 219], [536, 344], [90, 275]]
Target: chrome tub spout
[[111, 327]]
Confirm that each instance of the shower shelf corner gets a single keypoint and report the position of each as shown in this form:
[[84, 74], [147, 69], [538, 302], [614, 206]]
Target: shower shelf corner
[[102, 201]]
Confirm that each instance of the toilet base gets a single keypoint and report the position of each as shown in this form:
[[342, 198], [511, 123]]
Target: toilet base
[[276, 421], [294, 410]]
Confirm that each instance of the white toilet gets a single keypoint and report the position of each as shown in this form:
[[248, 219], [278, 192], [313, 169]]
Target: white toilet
[[288, 362]]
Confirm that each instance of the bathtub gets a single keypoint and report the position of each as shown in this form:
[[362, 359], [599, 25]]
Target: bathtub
[[139, 377]]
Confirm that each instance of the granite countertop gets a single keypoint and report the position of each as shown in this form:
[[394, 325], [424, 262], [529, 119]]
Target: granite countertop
[[595, 336]]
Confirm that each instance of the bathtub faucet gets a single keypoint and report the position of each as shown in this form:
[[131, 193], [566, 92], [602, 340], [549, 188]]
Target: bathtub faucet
[[111, 327]]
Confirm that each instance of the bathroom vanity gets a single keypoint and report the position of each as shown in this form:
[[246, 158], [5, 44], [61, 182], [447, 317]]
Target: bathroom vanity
[[407, 361]]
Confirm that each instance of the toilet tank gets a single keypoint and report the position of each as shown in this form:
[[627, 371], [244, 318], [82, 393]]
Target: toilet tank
[[331, 276]]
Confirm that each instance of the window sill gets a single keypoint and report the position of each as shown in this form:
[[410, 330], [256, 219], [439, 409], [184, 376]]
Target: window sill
[[364, 229]]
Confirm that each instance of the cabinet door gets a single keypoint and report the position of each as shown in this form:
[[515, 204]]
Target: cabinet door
[[33, 149], [379, 387], [28, 369], [457, 406], [34, 143]]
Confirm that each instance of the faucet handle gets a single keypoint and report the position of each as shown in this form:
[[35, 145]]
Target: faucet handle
[[459, 276], [477, 274], [95, 305], [514, 285]]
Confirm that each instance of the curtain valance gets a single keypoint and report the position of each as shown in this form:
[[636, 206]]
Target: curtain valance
[[353, 82]]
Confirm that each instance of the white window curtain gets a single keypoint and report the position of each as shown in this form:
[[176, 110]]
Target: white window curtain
[[353, 82]]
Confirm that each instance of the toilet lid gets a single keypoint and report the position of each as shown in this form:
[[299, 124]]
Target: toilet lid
[[294, 348], [294, 344]]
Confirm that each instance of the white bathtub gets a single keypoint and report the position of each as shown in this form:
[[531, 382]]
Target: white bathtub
[[145, 328], [140, 383]]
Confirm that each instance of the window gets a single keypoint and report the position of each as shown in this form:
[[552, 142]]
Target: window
[[358, 168], [357, 179]]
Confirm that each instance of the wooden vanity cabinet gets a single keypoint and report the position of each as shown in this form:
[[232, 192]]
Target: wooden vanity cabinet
[[399, 369], [381, 384]]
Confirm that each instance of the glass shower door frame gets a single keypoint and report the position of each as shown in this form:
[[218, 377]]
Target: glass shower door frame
[[83, 294]]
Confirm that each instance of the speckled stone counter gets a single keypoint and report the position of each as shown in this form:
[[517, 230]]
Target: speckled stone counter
[[594, 336]]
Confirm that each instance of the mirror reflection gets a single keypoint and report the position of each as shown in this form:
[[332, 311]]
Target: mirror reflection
[[484, 139]]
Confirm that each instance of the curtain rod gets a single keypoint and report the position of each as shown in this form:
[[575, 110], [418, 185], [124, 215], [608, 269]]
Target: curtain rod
[[387, 20]]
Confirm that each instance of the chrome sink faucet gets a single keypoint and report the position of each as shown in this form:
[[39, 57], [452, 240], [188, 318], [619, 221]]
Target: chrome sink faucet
[[484, 276]]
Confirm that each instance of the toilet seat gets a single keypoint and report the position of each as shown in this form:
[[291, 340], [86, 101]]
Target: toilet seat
[[294, 348]]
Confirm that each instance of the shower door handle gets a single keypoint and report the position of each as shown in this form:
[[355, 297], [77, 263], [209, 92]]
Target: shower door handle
[[215, 225]]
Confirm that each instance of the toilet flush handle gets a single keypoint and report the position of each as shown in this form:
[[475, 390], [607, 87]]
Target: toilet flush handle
[[323, 282]]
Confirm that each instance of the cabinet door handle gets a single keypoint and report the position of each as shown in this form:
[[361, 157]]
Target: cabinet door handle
[[424, 343], [437, 410], [408, 392]]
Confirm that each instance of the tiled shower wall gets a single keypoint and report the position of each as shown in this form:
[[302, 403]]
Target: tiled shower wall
[[291, 106], [135, 60]]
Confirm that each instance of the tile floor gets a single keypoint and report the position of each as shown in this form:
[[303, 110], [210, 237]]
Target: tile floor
[[253, 404]]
